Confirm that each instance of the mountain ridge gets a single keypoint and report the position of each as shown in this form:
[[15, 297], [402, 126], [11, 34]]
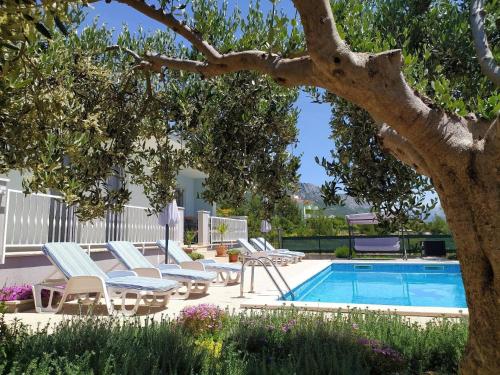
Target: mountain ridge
[[311, 192]]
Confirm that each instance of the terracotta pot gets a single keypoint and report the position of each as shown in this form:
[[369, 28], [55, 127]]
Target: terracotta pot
[[188, 250], [233, 258], [221, 250]]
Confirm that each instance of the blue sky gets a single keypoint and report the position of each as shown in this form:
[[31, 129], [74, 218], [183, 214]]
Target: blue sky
[[314, 118]]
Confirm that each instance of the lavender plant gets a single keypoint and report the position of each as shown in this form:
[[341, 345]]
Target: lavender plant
[[208, 340]]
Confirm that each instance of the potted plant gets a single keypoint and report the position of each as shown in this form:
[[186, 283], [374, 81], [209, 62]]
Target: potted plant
[[189, 237], [233, 255], [196, 256], [17, 298], [221, 248]]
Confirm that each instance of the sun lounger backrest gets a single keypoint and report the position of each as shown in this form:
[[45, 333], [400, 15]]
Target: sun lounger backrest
[[256, 243], [128, 254], [246, 245], [175, 252], [71, 260], [266, 243], [374, 244]]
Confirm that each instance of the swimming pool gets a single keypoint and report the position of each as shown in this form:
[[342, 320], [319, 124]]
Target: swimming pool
[[436, 285]]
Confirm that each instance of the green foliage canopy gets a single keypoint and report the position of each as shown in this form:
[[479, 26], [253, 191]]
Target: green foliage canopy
[[84, 120], [439, 61]]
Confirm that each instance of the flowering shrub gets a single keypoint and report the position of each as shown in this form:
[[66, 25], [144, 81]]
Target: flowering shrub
[[384, 360], [211, 346], [253, 342], [16, 293], [287, 326], [204, 318]]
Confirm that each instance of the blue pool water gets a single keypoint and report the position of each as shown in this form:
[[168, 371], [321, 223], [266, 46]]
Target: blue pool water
[[438, 285]]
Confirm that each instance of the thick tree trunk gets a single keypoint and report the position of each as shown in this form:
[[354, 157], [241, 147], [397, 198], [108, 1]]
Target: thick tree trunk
[[482, 355], [470, 199]]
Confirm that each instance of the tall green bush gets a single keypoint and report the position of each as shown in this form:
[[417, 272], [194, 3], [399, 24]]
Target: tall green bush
[[342, 252]]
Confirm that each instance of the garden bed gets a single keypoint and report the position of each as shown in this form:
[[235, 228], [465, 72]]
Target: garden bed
[[207, 340]]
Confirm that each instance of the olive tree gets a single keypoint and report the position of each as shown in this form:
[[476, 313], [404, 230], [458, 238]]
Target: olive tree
[[459, 153], [77, 118]]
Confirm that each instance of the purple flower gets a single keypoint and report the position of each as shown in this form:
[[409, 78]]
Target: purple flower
[[201, 318], [288, 326], [355, 326], [379, 348], [16, 293]]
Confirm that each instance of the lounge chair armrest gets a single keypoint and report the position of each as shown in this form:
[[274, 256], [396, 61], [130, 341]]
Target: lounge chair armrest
[[168, 266], [207, 261], [193, 265], [148, 272], [85, 284], [269, 254], [121, 273]]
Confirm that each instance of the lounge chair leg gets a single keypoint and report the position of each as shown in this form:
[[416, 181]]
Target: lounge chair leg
[[226, 276], [60, 304], [184, 295], [236, 279], [123, 307]]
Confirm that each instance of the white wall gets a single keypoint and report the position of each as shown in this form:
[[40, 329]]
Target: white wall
[[200, 204], [186, 184]]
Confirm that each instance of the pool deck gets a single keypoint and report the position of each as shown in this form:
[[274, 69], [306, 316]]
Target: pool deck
[[264, 297]]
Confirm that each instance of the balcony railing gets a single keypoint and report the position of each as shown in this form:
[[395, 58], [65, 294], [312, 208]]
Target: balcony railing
[[35, 219], [237, 228]]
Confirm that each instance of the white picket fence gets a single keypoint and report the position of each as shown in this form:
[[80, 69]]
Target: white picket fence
[[35, 219], [237, 228]]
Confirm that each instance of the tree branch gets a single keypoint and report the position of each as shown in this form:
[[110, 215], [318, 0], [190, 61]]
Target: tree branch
[[167, 19], [116, 47], [287, 72], [402, 149], [320, 30], [486, 60]]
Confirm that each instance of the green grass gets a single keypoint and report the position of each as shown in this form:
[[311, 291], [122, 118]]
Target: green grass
[[279, 342]]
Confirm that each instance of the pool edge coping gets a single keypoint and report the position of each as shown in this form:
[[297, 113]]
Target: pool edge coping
[[422, 311]]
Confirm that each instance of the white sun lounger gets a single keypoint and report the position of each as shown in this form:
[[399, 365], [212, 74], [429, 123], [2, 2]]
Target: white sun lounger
[[260, 248], [276, 258], [226, 272], [195, 280], [84, 278], [265, 245]]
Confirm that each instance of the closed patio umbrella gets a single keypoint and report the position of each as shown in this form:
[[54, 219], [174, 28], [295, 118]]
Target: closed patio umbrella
[[168, 217], [265, 227]]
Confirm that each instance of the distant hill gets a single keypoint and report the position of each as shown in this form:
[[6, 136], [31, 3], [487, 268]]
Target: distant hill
[[311, 192]]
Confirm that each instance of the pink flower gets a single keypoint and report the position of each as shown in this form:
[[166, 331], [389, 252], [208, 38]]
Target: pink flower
[[16, 293], [201, 318]]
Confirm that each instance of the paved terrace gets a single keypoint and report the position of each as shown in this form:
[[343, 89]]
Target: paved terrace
[[265, 296]]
